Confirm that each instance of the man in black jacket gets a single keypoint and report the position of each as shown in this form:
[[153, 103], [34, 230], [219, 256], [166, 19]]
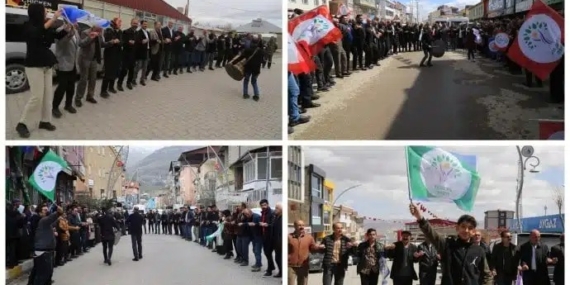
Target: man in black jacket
[[135, 224], [267, 217], [429, 260], [129, 56], [335, 261], [533, 258], [178, 51], [44, 247], [557, 255], [426, 42], [404, 254], [502, 260], [108, 226], [462, 261]]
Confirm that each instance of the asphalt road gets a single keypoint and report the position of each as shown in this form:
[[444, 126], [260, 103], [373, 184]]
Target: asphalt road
[[454, 100], [199, 106], [167, 259]]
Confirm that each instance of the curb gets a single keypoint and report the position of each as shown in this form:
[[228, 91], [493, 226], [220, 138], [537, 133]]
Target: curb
[[19, 270]]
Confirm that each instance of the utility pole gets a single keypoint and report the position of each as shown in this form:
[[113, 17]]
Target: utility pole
[[418, 11]]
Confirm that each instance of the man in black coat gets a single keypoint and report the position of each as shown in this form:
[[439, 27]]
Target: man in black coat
[[429, 260], [533, 260], [135, 223], [142, 52], [108, 226], [129, 56], [112, 56], [557, 255], [501, 260], [404, 254], [267, 217]]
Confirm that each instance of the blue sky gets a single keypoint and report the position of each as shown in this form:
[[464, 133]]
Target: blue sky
[[382, 173]]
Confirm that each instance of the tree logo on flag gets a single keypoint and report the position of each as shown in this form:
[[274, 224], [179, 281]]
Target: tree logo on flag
[[443, 175], [45, 175], [540, 39]]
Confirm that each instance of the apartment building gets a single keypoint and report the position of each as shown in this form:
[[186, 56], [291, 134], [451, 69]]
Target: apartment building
[[104, 172]]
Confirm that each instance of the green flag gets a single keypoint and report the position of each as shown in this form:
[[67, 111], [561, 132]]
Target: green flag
[[44, 177], [438, 175]]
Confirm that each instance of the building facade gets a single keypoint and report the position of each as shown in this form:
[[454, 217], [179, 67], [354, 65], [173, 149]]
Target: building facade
[[328, 206], [188, 185], [350, 220], [314, 181], [105, 173], [306, 5], [298, 200]]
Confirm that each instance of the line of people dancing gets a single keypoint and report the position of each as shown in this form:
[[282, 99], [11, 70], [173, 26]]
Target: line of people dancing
[[129, 58], [225, 232]]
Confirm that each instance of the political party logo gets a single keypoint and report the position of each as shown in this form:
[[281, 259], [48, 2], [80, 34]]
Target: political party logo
[[443, 175], [502, 40], [540, 39], [492, 46], [314, 29], [45, 175]]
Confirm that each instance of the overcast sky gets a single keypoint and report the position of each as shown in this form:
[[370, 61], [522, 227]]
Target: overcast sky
[[384, 194], [235, 12], [428, 6]]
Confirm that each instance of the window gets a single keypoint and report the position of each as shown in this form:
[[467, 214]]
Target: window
[[316, 2], [277, 191], [292, 1], [317, 214], [15, 28], [277, 168], [306, 2], [261, 168], [316, 186], [326, 217], [249, 171]]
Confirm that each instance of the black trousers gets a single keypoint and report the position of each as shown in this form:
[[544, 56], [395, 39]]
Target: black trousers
[[228, 246], [268, 251], [368, 56], [176, 227], [61, 249], [234, 242], [169, 225], [403, 280], [428, 276], [65, 86], [335, 271], [154, 65], [278, 256], [369, 279], [220, 58], [42, 271], [157, 228], [144, 228], [136, 242], [12, 251], [127, 70], [427, 55], [108, 248], [357, 51]]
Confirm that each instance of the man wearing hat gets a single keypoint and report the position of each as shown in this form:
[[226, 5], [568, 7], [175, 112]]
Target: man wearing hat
[[404, 255]]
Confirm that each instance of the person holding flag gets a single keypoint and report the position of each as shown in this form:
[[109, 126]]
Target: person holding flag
[[39, 63]]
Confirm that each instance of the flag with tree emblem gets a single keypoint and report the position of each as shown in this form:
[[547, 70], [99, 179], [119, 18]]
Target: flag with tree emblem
[[437, 175], [44, 177]]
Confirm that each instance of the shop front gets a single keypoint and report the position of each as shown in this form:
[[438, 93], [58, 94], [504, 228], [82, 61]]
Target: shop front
[[495, 8]]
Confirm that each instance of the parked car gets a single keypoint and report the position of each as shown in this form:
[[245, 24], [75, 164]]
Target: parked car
[[16, 79]]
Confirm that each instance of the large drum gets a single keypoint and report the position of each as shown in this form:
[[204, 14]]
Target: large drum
[[235, 70], [438, 48]]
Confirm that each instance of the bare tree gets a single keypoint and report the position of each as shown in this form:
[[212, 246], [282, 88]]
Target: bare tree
[[558, 196]]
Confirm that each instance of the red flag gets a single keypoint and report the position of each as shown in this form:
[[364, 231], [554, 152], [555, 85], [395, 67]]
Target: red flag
[[549, 128], [299, 60], [539, 45], [314, 29]]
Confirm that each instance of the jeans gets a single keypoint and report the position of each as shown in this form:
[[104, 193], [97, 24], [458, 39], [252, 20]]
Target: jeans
[[203, 235], [198, 59], [246, 79], [257, 242], [245, 240], [293, 93], [335, 271]]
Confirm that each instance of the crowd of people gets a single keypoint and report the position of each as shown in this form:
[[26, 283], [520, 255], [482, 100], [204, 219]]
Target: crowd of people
[[463, 259], [365, 43], [129, 58], [227, 233]]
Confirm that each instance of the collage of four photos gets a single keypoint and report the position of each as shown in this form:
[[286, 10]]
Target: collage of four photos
[[404, 142]]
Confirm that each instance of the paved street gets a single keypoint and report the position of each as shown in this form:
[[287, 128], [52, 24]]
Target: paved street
[[198, 106], [353, 279], [167, 259], [455, 100]]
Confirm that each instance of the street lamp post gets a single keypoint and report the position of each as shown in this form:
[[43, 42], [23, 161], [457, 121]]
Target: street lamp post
[[526, 153], [344, 191]]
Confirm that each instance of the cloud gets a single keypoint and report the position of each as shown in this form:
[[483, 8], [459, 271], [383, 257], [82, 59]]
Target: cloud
[[381, 172], [236, 12]]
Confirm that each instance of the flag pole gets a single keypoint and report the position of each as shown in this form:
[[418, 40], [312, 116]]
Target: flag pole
[[408, 173]]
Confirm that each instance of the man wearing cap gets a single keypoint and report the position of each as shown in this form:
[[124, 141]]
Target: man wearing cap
[[404, 254], [135, 223]]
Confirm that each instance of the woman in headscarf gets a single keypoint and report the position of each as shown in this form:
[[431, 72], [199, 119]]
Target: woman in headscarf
[[40, 60]]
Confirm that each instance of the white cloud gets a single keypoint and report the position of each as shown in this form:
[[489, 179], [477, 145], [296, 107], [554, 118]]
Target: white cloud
[[430, 6], [382, 175], [236, 12]]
